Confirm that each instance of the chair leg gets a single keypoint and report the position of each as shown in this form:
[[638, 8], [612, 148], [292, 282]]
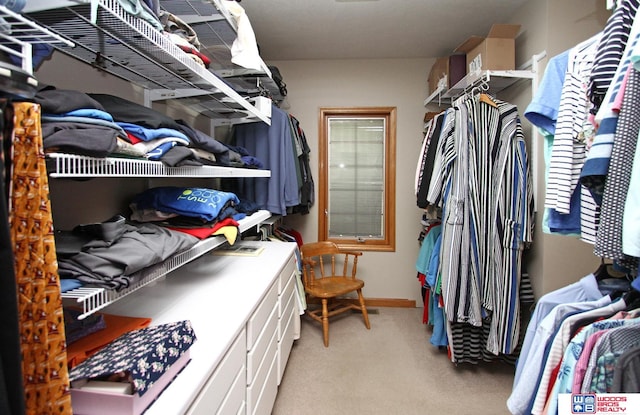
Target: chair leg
[[325, 322], [365, 314]]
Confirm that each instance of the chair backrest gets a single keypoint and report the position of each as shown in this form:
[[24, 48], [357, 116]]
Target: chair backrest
[[322, 259]]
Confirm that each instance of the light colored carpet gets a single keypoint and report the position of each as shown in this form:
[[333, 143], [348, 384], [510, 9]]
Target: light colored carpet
[[391, 369]]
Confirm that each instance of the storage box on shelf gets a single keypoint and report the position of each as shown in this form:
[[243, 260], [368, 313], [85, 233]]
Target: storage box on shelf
[[450, 68], [496, 51]]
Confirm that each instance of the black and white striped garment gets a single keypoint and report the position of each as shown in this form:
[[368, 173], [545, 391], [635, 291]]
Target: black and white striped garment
[[512, 230], [420, 168], [427, 159], [444, 157], [488, 211], [610, 50], [460, 280], [468, 343], [589, 216]]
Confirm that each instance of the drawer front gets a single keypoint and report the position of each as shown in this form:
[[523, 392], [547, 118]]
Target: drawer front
[[286, 273], [286, 343], [222, 380], [264, 405], [284, 296], [235, 397], [288, 308], [261, 315], [262, 391], [257, 353]]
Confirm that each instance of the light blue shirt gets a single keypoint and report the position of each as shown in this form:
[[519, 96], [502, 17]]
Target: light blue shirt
[[543, 109], [525, 385], [586, 289]]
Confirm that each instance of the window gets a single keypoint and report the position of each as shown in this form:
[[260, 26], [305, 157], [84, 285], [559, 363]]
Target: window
[[357, 177]]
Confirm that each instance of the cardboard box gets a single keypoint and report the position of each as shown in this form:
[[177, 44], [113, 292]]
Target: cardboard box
[[453, 67], [495, 52]]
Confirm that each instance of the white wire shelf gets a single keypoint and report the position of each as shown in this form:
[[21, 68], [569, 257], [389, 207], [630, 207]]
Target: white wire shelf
[[217, 30], [495, 80], [110, 39], [437, 94], [77, 166], [18, 34], [93, 299]]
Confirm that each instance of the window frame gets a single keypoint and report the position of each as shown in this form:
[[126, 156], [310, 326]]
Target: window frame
[[388, 242]]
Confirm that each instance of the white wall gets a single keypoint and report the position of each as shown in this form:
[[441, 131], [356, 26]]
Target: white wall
[[555, 26], [313, 84]]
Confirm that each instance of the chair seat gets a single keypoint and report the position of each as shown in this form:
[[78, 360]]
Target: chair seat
[[333, 286]]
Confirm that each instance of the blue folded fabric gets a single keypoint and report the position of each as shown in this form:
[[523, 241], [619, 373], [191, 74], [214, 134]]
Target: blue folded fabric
[[195, 202], [68, 284]]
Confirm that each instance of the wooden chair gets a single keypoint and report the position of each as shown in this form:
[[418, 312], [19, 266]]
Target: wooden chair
[[324, 280]]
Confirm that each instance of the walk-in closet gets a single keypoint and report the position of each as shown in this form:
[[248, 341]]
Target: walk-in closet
[[165, 162]]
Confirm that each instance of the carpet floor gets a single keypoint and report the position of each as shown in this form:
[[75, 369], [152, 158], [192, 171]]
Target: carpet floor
[[391, 369]]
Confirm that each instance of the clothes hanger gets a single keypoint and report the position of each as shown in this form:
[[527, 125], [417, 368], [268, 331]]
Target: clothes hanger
[[631, 299], [484, 97], [612, 280], [487, 100], [602, 271], [608, 270]]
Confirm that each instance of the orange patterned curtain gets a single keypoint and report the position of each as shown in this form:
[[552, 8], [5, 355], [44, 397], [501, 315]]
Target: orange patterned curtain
[[42, 337]]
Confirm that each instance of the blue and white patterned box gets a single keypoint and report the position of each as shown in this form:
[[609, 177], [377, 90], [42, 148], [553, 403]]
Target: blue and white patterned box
[[148, 358]]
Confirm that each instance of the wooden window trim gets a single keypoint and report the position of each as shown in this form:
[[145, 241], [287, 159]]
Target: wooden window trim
[[389, 113]]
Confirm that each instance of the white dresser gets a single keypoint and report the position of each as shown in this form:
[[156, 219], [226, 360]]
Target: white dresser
[[243, 311]]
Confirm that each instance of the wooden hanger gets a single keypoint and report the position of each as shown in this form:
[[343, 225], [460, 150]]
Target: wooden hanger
[[486, 98]]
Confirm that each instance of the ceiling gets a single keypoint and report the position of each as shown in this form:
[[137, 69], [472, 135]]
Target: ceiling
[[363, 29]]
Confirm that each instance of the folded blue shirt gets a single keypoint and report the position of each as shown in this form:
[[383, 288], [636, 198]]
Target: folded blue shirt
[[195, 202]]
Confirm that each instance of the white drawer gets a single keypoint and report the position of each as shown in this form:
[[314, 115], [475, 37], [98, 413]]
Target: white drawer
[[284, 296], [259, 318], [262, 392], [242, 409], [257, 353], [221, 381], [286, 343], [235, 397], [288, 308], [286, 273]]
